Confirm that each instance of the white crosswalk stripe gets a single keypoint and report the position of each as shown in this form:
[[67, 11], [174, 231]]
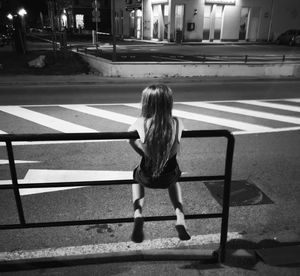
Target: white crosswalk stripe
[[45, 120], [198, 115], [272, 105], [215, 120], [243, 111], [293, 100], [102, 113]]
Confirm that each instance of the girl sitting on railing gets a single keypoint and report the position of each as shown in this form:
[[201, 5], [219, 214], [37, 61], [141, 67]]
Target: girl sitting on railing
[[160, 135]]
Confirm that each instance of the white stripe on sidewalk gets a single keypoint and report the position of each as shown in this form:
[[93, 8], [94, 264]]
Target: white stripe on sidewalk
[[45, 120], [5, 162], [247, 112], [102, 113], [164, 243], [215, 120], [272, 105], [293, 100]]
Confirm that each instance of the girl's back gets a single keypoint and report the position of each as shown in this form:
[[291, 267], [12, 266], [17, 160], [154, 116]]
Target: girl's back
[[159, 132]]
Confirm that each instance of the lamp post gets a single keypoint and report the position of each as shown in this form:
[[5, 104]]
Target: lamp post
[[22, 12], [19, 30]]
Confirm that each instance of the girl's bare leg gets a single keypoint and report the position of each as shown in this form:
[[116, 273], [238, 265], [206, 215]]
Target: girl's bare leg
[[176, 199], [138, 193]]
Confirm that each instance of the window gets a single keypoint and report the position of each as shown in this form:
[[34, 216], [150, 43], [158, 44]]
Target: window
[[79, 21]]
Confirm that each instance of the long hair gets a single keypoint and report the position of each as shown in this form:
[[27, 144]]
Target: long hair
[[157, 104]]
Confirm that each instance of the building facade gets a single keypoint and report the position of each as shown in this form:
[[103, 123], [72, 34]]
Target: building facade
[[205, 20], [80, 15]]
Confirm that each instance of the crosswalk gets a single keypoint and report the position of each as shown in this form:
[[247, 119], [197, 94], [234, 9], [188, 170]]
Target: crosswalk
[[238, 116]]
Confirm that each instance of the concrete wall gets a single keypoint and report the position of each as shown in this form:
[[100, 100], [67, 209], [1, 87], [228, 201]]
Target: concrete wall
[[189, 69], [190, 17]]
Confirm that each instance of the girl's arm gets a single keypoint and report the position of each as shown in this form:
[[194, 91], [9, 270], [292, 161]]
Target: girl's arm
[[135, 143]]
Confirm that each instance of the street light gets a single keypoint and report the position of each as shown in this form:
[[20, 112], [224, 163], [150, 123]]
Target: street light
[[22, 12], [10, 16]]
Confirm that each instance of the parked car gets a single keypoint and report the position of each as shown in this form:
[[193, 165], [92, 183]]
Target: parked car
[[290, 37]]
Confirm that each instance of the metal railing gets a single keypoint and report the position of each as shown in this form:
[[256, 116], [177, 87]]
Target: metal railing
[[15, 186], [98, 51]]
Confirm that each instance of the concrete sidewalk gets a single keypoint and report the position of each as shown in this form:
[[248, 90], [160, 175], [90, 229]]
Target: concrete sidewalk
[[156, 262], [276, 253]]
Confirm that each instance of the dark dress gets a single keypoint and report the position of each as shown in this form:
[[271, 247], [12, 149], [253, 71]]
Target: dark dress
[[170, 174]]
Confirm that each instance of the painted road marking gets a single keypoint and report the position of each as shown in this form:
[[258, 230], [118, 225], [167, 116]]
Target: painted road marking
[[220, 121], [59, 176], [293, 100], [102, 113], [5, 162], [247, 112], [245, 128], [215, 120], [45, 120], [163, 243], [272, 105], [274, 130]]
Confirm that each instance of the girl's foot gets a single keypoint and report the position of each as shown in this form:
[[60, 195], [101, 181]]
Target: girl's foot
[[138, 233], [182, 233], [180, 226]]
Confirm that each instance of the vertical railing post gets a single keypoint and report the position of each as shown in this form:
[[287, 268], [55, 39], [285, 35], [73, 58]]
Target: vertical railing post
[[14, 178], [226, 197]]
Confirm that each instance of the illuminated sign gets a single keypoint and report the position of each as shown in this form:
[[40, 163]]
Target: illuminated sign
[[221, 2]]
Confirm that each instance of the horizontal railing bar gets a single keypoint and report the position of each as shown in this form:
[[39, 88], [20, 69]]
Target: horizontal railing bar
[[103, 221], [104, 182], [104, 135]]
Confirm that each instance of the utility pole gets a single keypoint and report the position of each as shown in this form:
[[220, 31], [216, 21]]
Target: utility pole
[[96, 19], [52, 17]]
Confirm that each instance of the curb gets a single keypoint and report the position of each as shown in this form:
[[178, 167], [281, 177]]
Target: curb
[[206, 256], [32, 80]]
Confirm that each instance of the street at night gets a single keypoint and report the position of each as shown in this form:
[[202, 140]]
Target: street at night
[[79, 68], [263, 116]]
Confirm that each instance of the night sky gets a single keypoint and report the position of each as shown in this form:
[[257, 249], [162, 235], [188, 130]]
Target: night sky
[[33, 8]]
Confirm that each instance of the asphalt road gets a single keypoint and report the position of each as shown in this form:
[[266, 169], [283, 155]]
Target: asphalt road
[[269, 159], [107, 91]]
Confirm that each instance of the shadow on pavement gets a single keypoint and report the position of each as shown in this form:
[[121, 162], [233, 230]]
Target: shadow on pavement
[[245, 254]]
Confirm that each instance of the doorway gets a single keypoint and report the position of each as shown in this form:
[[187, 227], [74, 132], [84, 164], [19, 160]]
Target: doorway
[[244, 23], [179, 23], [135, 24], [212, 25], [160, 21]]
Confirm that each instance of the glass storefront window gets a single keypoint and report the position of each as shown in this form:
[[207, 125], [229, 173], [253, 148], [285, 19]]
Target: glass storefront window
[[206, 24]]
